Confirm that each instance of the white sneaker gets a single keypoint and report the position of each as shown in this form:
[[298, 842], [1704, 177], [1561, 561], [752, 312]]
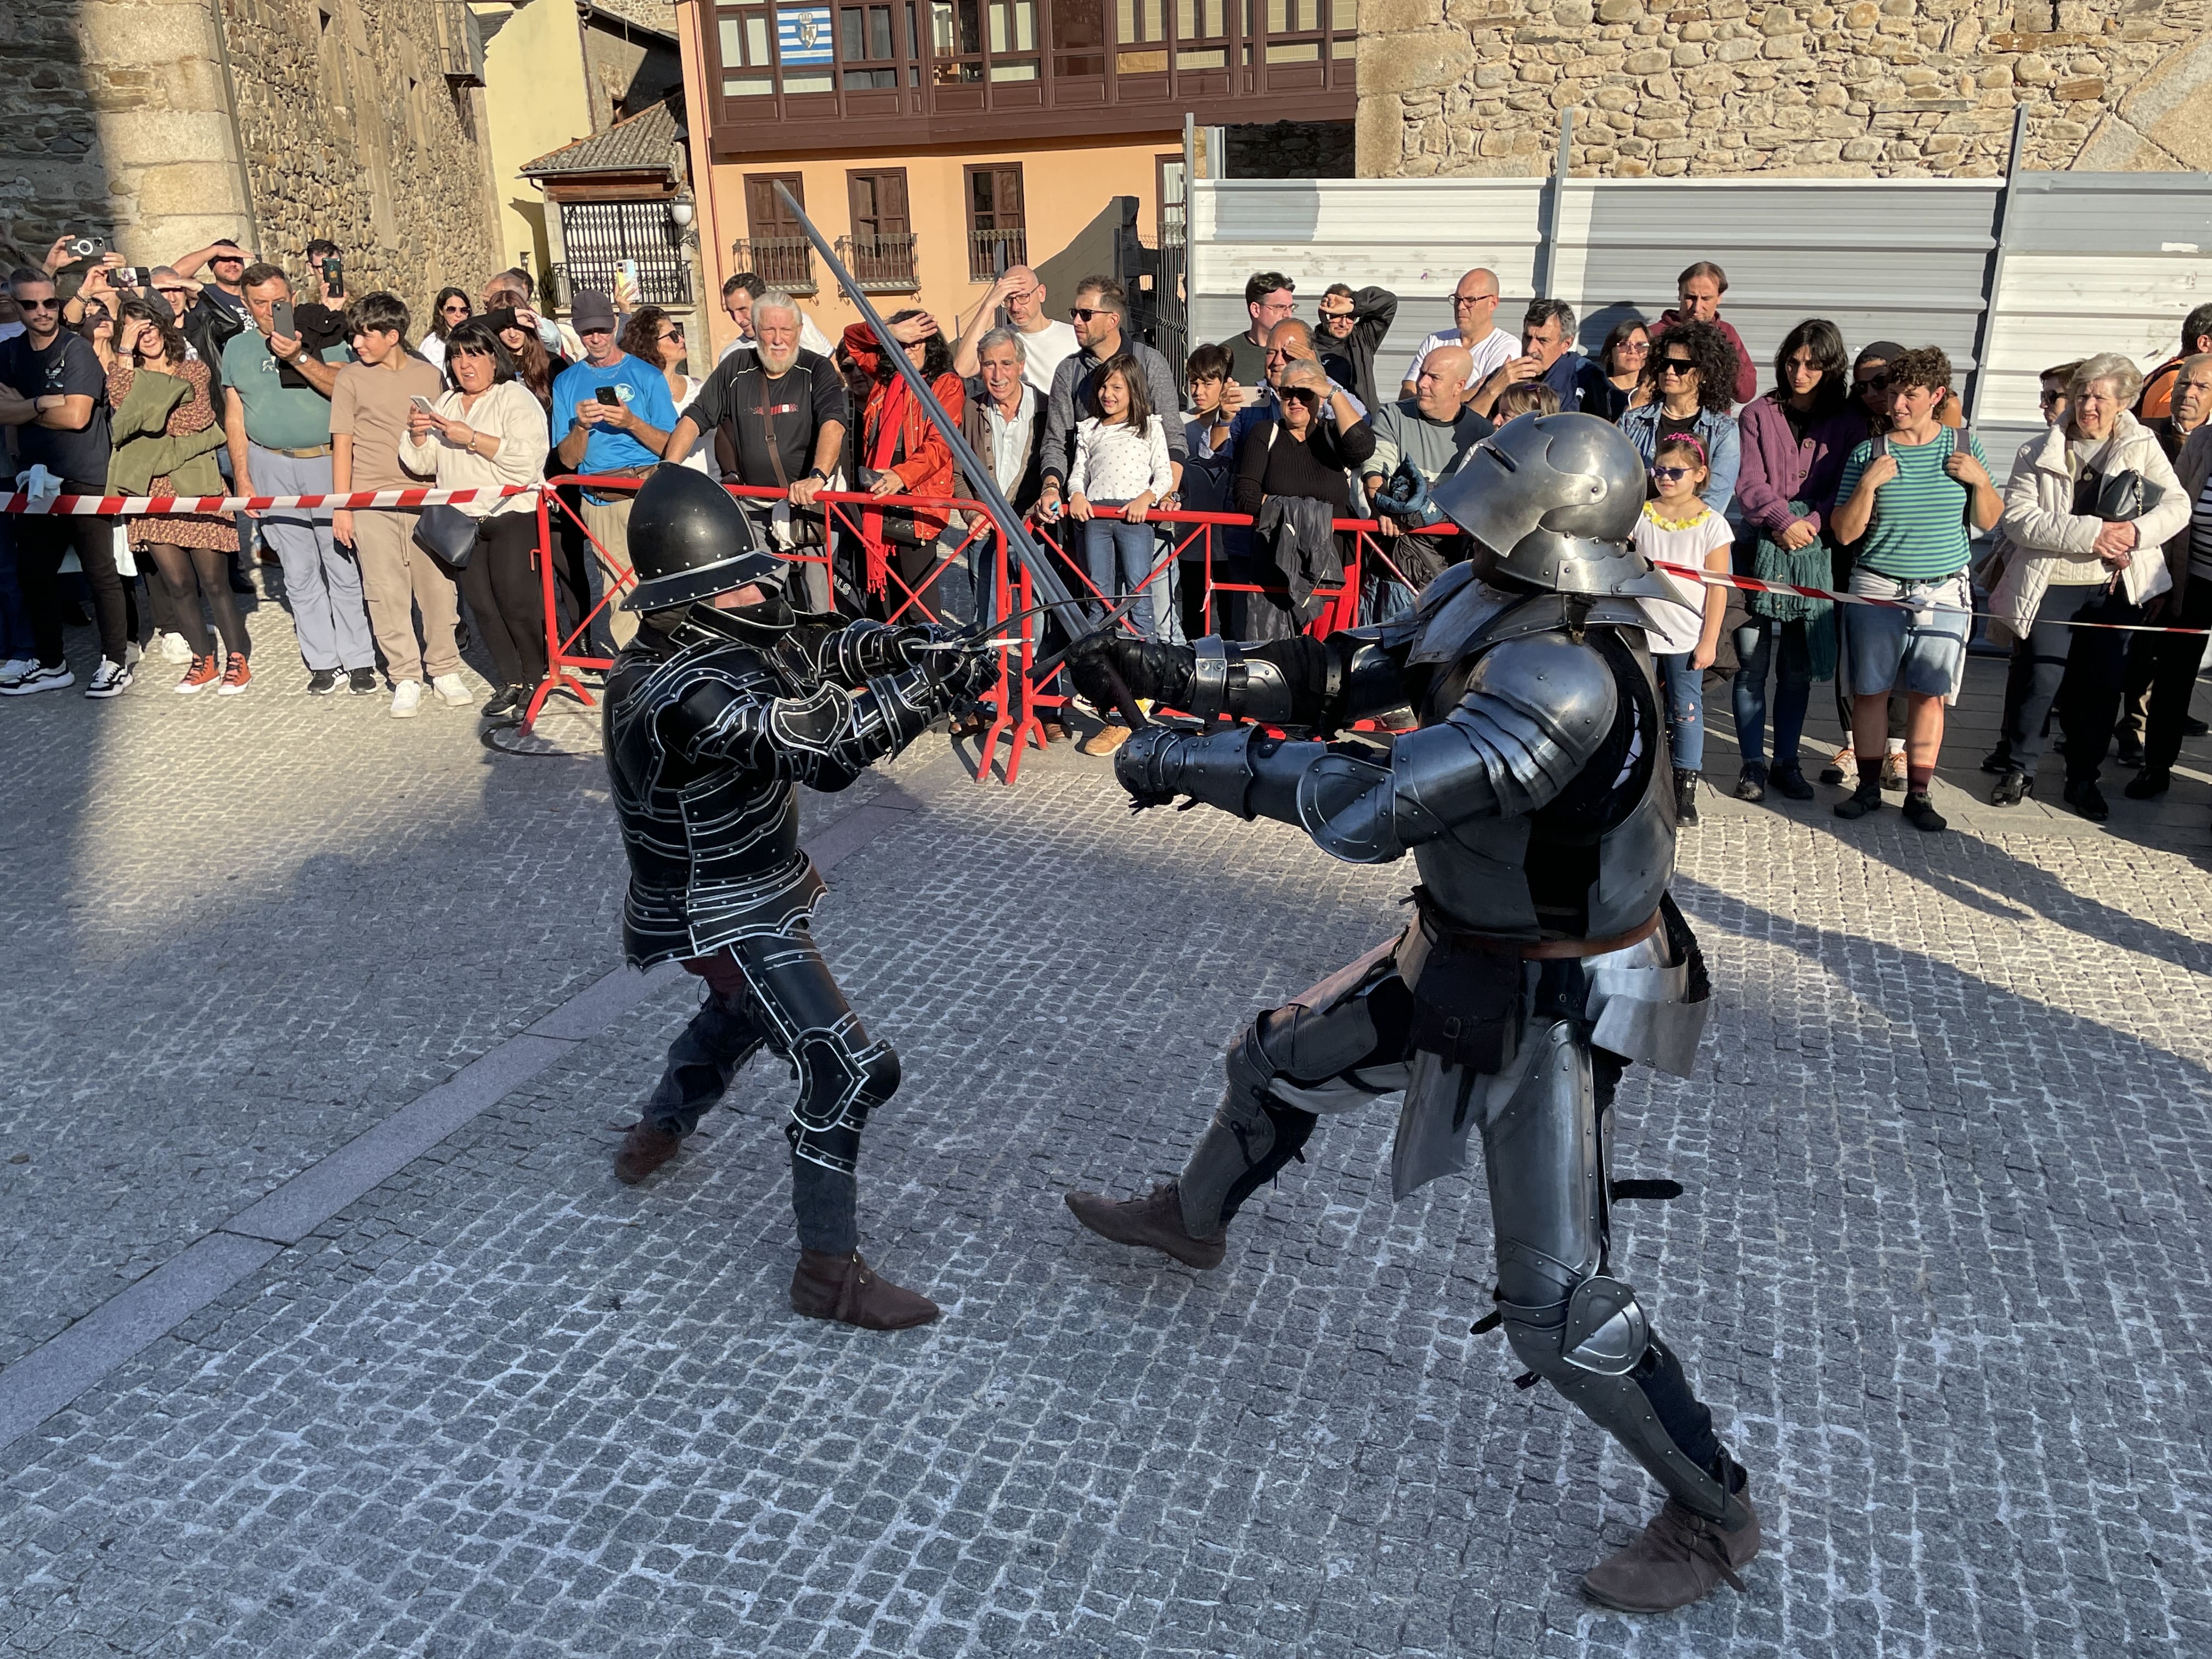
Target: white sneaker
[[173, 647], [452, 690], [39, 677], [108, 680], [133, 655], [406, 700], [14, 668]]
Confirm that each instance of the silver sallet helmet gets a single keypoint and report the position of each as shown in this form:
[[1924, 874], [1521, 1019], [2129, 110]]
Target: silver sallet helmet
[[1555, 498]]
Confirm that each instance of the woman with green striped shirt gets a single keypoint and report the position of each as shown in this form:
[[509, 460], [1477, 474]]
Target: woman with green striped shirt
[[1917, 492]]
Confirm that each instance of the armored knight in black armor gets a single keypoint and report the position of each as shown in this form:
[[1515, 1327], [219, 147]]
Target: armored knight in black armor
[[720, 707], [1545, 955]]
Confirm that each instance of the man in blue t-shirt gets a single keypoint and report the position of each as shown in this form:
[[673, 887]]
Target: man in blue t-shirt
[[611, 417], [1547, 338]]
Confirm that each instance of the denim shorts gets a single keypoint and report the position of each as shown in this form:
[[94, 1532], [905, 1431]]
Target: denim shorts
[[1918, 651]]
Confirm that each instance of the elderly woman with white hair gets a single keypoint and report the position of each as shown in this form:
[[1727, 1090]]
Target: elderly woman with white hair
[[2088, 509]]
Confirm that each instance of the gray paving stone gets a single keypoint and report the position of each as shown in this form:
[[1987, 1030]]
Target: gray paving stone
[[1937, 1294]]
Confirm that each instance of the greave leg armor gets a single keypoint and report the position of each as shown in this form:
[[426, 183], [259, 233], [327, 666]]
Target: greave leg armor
[[841, 1073], [1332, 1048], [1569, 1320]]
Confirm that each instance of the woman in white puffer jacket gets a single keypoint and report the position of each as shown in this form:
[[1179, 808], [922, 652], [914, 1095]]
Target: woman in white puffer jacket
[[2079, 558]]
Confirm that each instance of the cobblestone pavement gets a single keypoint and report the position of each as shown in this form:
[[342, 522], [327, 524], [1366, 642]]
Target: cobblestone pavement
[[1942, 1266]]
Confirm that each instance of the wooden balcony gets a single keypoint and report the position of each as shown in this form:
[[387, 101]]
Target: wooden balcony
[[879, 75]]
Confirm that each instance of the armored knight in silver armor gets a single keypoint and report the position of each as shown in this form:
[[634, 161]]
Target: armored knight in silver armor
[[720, 707], [1545, 955]]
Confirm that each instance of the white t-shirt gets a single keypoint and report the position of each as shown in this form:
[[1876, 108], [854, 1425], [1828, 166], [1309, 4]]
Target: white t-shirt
[[1044, 352], [701, 457], [1491, 353], [1674, 624]]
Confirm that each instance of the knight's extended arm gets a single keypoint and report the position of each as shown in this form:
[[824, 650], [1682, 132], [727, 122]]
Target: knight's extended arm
[[1534, 713], [824, 739], [859, 652], [1320, 685]]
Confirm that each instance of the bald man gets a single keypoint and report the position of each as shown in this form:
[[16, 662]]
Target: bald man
[[1489, 348], [1430, 434], [1045, 343]]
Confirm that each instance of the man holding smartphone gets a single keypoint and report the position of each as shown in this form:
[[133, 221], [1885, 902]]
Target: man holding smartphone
[[368, 419], [611, 418], [279, 429]]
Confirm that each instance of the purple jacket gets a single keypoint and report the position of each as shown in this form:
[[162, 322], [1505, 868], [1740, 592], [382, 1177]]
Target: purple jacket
[[1776, 470]]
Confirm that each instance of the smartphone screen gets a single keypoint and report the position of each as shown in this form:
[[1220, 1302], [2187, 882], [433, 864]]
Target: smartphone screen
[[609, 397], [424, 405], [280, 321]]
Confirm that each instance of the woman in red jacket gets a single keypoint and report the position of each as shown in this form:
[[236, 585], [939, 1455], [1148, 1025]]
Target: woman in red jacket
[[903, 452]]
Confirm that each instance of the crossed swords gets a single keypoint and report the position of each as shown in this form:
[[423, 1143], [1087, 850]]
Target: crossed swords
[[1043, 578]]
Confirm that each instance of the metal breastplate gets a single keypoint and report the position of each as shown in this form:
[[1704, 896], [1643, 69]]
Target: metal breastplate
[[712, 846], [1528, 875]]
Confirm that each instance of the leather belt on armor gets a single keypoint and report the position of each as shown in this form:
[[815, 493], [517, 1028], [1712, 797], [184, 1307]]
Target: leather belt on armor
[[1555, 950]]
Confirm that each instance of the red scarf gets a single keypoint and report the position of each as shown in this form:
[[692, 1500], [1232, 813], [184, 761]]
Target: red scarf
[[890, 423]]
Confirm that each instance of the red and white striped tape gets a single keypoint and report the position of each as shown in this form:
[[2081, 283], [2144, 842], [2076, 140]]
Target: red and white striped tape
[[1758, 585], [140, 506]]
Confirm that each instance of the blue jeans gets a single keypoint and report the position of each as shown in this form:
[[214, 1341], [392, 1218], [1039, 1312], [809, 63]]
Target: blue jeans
[[1118, 554], [1684, 690], [1759, 642]]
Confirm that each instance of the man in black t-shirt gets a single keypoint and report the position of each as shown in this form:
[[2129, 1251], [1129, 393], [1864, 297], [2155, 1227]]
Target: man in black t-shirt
[[783, 413], [54, 392]]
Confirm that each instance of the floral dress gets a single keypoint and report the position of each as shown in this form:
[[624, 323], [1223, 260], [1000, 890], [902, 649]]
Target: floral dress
[[195, 413]]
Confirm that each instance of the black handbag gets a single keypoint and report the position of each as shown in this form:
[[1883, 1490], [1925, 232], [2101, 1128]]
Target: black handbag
[[2123, 498], [447, 535]]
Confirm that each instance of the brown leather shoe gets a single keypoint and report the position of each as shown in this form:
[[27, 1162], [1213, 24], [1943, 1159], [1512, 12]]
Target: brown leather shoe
[[1675, 1560], [1154, 1220], [643, 1150], [845, 1289]]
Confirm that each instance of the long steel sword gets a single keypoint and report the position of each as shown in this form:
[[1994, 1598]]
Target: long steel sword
[[1042, 577]]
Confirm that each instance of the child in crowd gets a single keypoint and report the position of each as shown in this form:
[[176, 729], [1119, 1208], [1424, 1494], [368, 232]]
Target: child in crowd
[[1679, 529], [1121, 469], [1525, 398]]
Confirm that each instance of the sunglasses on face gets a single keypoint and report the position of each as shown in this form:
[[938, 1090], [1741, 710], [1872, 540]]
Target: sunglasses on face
[[1084, 314], [456, 308], [39, 305], [672, 334], [1337, 316], [1677, 366], [1872, 383], [1669, 474], [2048, 398]]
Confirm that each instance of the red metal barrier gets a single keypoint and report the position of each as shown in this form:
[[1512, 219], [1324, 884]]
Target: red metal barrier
[[1016, 720]]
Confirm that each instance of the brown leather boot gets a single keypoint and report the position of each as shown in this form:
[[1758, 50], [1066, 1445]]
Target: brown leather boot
[[1675, 1560], [643, 1150], [844, 1289], [1154, 1220]]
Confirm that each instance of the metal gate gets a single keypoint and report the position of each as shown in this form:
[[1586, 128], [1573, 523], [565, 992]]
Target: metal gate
[[595, 234], [1171, 271]]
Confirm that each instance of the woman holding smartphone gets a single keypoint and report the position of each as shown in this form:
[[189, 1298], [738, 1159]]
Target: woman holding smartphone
[[486, 432]]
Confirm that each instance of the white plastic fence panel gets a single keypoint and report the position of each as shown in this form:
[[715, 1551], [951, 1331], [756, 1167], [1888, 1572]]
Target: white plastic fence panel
[[1902, 260], [1407, 235], [2095, 262]]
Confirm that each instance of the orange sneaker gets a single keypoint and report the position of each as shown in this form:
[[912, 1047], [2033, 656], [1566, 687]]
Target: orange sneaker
[[202, 674], [236, 678]]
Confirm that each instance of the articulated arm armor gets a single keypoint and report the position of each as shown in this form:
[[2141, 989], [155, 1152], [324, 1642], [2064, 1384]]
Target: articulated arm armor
[[824, 737], [1533, 712], [1316, 685], [858, 652]]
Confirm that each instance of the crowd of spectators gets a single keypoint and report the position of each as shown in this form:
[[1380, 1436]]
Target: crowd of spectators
[[214, 374]]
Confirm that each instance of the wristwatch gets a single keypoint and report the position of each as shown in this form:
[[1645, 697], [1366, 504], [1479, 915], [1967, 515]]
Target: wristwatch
[[814, 473]]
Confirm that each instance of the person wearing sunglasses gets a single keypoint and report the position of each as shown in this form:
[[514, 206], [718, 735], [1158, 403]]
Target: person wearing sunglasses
[[1691, 374], [447, 312], [1915, 494], [1677, 528], [1099, 314], [652, 335], [54, 392], [1353, 325]]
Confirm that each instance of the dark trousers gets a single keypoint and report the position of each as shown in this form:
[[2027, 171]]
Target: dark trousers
[[42, 541], [2175, 678], [1760, 642], [2078, 671], [506, 597], [776, 993], [184, 576], [2135, 687]]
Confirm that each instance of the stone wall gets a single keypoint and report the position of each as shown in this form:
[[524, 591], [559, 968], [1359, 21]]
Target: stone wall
[[161, 124], [1873, 88], [1291, 150]]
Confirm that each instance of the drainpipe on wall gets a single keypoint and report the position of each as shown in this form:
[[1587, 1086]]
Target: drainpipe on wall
[[237, 133]]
